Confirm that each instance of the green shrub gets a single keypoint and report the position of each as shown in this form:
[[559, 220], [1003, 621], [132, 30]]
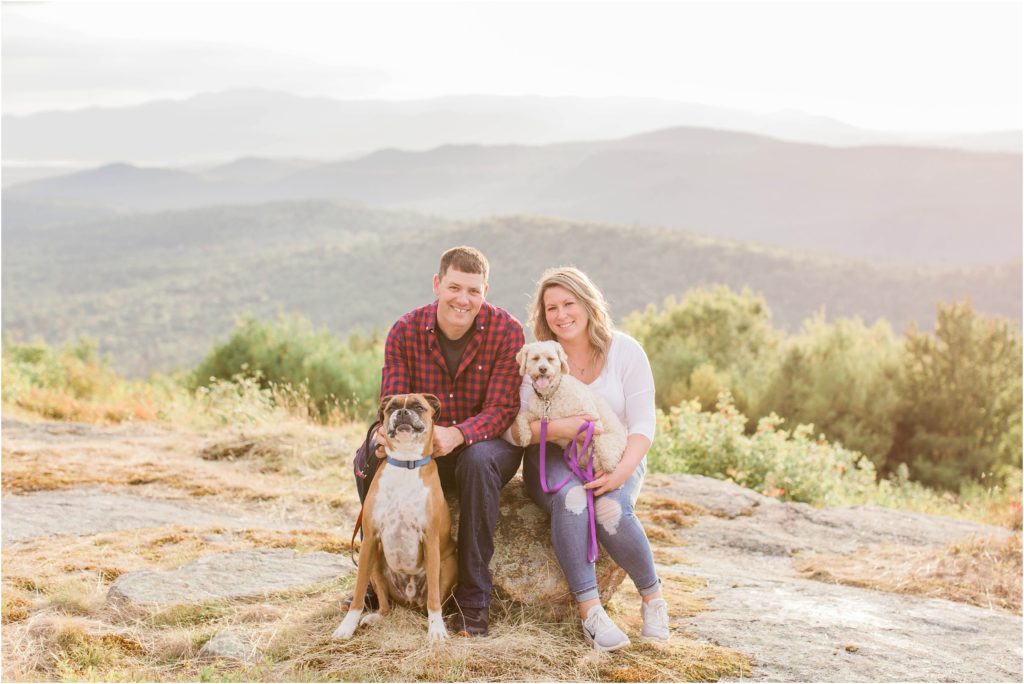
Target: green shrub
[[960, 415], [338, 376], [74, 383], [76, 369], [712, 341], [843, 378], [791, 465]]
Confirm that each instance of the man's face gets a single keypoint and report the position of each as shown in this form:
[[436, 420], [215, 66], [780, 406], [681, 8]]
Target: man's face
[[459, 298]]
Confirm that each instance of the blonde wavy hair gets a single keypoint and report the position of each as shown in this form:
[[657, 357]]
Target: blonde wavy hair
[[575, 281]]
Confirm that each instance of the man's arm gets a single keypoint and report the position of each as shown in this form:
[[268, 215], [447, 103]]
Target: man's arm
[[501, 402], [396, 377]]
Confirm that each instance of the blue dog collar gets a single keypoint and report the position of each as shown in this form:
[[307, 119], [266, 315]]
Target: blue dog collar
[[411, 465]]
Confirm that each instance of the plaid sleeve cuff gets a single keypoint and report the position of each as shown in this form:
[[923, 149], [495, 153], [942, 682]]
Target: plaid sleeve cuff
[[481, 427]]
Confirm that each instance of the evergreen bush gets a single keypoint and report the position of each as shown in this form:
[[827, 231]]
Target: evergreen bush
[[960, 391]]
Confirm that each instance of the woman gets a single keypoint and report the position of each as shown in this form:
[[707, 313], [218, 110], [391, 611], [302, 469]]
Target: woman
[[570, 309]]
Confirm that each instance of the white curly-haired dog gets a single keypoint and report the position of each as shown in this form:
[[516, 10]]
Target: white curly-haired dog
[[557, 394]]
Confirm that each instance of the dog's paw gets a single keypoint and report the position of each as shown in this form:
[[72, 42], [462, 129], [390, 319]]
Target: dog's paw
[[348, 626], [521, 432], [370, 619], [436, 631]]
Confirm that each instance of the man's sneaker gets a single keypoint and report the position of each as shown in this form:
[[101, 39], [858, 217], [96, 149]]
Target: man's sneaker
[[466, 621], [601, 632], [370, 601], [655, 615]]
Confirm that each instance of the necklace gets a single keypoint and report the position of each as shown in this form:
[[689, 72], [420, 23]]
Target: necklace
[[582, 370]]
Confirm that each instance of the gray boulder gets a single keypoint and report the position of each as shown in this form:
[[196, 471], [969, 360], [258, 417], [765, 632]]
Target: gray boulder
[[524, 566], [242, 574], [230, 645]]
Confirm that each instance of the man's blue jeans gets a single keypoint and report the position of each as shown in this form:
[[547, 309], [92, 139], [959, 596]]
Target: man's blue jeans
[[618, 529], [475, 473]]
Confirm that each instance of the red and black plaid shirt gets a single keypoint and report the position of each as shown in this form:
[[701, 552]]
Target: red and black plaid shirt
[[483, 400]]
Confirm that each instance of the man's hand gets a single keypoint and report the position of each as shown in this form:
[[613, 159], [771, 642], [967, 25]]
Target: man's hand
[[446, 439]]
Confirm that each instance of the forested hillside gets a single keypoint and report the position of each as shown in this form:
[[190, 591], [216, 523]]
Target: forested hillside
[[155, 290]]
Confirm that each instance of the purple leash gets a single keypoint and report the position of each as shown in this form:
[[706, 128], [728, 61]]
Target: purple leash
[[571, 456]]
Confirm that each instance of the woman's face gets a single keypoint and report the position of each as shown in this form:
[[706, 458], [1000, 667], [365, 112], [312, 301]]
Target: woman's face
[[564, 314]]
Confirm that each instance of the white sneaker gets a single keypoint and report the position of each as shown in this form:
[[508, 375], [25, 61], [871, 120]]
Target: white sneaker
[[601, 632], [655, 615]]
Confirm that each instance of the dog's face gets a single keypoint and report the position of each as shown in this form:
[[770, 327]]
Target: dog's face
[[408, 419], [543, 363]]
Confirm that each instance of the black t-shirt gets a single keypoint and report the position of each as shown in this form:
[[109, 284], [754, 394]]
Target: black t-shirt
[[452, 349]]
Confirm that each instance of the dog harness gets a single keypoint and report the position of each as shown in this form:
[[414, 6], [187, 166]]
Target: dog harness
[[571, 456]]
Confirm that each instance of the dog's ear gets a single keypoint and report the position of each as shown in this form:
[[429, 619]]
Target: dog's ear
[[384, 401], [435, 404], [521, 360], [564, 358]]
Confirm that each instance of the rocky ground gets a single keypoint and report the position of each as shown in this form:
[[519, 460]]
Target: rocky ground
[[741, 544], [804, 630]]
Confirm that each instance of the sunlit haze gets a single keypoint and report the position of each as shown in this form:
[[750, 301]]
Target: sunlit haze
[[915, 66]]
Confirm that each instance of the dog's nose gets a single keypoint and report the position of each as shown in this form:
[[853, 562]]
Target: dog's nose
[[543, 370]]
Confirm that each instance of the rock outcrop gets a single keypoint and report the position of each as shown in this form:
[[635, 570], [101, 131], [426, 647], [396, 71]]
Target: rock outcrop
[[243, 574], [92, 510], [524, 566]]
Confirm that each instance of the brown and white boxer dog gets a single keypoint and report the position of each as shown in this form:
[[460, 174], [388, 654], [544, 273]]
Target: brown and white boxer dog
[[407, 550]]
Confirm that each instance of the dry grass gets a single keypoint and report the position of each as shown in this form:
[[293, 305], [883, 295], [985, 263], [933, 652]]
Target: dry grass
[[520, 647], [272, 451], [15, 605], [291, 465], [291, 632], [663, 518], [58, 626], [60, 405], [300, 540], [984, 571], [56, 629]]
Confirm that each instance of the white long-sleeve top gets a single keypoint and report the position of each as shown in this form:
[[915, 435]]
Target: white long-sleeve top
[[626, 383]]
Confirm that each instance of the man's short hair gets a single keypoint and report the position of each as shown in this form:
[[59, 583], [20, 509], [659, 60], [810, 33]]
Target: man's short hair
[[465, 259]]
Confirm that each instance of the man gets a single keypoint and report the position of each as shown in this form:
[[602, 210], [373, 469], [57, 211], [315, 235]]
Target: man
[[462, 350]]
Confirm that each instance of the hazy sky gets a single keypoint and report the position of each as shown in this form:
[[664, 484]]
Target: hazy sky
[[910, 66]]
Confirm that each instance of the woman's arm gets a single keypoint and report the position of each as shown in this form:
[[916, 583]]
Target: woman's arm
[[634, 369], [636, 449]]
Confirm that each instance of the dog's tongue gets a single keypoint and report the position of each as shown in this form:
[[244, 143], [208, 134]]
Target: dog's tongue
[[540, 383], [404, 427]]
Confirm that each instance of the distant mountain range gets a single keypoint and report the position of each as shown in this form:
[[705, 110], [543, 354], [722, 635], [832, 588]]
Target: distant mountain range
[[157, 289], [216, 127], [888, 204]]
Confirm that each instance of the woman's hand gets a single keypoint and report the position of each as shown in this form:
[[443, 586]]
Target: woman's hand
[[567, 428], [605, 482]]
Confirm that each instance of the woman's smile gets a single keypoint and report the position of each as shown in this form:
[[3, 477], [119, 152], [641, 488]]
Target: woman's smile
[[565, 317]]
